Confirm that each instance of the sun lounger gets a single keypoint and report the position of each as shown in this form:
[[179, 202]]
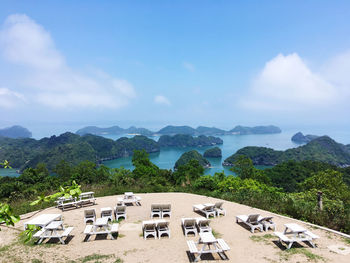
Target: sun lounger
[[203, 225], [149, 229], [189, 226], [268, 223], [218, 208], [253, 221], [166, 210], [156, 210], [89, 215], [120, 211], [163, 228], [207, 209], [107, 212]]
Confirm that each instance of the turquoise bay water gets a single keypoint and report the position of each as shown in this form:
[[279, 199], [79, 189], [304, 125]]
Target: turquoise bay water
[[8, 172], [167, 157]]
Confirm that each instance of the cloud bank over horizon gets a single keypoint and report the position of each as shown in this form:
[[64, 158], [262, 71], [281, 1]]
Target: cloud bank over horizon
[[287, 84], [42, 76]]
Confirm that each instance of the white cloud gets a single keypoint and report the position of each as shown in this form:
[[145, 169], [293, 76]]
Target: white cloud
[[47, 79], [287, 83], [159, 99], [9, 99], [190, 67]]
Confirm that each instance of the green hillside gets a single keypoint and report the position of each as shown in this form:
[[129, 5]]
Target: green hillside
[[322, 149], [184, 140], [192, 155], [72, 148]]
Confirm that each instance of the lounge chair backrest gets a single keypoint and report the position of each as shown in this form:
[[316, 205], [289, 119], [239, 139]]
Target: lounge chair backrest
[[166, 207], [149, 226], [121, 208], [267, 219], [203, 223], [163, 224], [219, 205], [189, 222], [253, 218], [90, 213], [209, 208], [155, 207]]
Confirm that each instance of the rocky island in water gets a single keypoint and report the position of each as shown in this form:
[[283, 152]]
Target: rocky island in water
[[192, 155]]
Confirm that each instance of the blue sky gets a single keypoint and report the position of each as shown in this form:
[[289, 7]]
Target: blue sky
[[153, 63]]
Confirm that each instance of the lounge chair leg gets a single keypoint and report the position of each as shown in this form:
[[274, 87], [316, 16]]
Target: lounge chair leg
[[61, 240], [312, 244]]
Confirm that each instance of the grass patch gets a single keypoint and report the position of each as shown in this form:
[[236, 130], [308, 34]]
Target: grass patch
[[346, 240], [216, 234], [288, 253], [35, 260], [5, 248], [94, 257], [118, 260], [129, 251], [265, 238], [121, 235], [141, 235]]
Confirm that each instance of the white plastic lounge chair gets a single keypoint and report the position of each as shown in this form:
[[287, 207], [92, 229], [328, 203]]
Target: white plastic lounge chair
[[251, 220], [268, 223], [42, 234], [156, 210], [107, 212], [208, 210], [203, 225], [163, 228], [189, 226], [166, 210], [149, 229], [89, 215], [120, 211], [218, 208]]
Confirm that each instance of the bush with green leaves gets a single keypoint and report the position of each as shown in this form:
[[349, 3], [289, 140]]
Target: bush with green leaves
[[7, 215]]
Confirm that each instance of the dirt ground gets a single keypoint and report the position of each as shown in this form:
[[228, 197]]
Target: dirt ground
[[131, 247]]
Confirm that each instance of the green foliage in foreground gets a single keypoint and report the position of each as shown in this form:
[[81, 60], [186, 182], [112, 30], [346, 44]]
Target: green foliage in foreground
[[7, 215], [263, 189]]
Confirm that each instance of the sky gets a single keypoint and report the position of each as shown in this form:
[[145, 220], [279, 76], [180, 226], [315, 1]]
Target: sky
[[153, 63]]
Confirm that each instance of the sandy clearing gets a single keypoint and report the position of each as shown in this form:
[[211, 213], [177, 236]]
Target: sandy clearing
[[131, 247]]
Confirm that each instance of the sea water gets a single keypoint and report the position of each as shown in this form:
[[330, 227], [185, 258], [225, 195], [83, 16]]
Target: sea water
[[167, 157]]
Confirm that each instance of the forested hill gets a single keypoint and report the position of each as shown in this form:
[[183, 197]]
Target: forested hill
[[15, 132], [114, 130], [23, 153], [186, 157], [322, 149], [242, 130], [184, 140]]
